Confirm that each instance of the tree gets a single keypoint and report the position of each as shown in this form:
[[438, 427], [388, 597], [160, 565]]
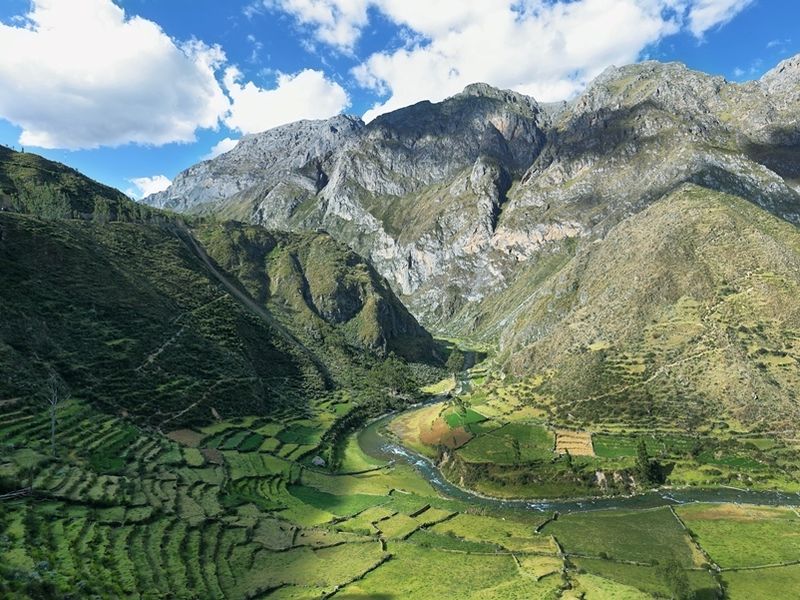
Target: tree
[[644, 467], [56, 394], [102, 210], [516, 450], [676, 580], [649, 471], [395, 376], [568, 459], [455, 362]]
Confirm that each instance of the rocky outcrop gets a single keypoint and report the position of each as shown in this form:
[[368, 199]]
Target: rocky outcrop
[[453, 201], [293, 156]]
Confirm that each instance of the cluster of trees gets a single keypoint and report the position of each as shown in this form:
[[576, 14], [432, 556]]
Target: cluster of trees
[[391, 385], [50, 201], [45, 200], [394, 377]]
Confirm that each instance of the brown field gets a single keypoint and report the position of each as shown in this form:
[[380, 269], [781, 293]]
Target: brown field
[[426, 426], [579, 443], [212, 455], [440, 434], [731, 512], [186, 437]]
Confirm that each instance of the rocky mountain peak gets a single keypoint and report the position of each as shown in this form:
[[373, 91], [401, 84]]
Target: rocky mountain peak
[[484, 90], [672, 86], [784, 78], [295, 151]]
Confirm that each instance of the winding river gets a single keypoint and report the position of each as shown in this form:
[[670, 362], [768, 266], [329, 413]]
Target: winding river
[[374, 442]]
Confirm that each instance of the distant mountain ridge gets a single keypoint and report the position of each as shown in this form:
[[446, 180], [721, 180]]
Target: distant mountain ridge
[[448, 199]]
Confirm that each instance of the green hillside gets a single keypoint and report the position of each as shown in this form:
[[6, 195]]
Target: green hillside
[[131, 319], [332, 295], [685, 314], [32, 184]]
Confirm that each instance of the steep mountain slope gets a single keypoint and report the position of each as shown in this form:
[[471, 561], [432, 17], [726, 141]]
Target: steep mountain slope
[[129, 318], [328, 292], [685, 313], [452, 201], [32, 184], [136, 317]]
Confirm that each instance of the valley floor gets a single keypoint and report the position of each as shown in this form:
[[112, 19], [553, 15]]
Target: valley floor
[[237, 509]]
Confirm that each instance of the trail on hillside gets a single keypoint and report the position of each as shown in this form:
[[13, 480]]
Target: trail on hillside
[[185, 236]]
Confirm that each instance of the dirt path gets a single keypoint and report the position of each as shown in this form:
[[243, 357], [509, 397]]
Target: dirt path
[[185, 236]]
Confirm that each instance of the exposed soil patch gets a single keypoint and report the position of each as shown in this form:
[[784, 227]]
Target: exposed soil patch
[[213, 455], [578, 443], [187, 437], [440, 434]]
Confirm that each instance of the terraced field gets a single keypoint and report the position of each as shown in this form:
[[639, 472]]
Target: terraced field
[[119, 511]]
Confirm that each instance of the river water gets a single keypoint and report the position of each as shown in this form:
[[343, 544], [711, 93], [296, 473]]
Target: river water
[[376, 443]]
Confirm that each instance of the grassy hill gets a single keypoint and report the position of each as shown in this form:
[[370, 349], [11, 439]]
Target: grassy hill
[[331, 294], [125, 306], [32, 184], [131, 319]]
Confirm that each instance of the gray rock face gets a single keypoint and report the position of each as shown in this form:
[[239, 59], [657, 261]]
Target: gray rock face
[[292, 154], [451, 200]]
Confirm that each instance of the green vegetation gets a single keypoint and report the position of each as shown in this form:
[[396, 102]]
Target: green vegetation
[[745, 536], [204, 440], [644, 535], [49, 190], [245, 520]]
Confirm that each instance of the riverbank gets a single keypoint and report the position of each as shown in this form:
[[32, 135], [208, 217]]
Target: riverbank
[[376, 442]]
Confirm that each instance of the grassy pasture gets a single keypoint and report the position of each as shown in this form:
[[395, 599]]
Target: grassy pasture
[[744, 536], [457, 418], [508, 534], [641, 535], [300, 433], [437, 575], [512, 443], [337, 505], [762, 584]]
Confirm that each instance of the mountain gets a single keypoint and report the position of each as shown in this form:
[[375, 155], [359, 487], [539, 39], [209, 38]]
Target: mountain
[[169, 324], [325, 290], [32, 184], [453, 201], [683, 314]]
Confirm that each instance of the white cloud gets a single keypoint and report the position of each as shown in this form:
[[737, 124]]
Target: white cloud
[[304, 95], [546, 48], [779, 43], [224, 145], [707, 14], [82, 74], [336, 22], [148, 185], [549, 51]]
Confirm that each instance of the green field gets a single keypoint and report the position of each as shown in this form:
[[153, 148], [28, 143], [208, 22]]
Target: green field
[[512, 443], [745, 536], [172, 519], [644, 535]]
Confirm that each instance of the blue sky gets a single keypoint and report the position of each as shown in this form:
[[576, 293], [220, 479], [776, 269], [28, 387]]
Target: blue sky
[[133, 91]]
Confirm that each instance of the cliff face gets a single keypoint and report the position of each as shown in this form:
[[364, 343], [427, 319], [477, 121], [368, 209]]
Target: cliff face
[[453, 202]]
